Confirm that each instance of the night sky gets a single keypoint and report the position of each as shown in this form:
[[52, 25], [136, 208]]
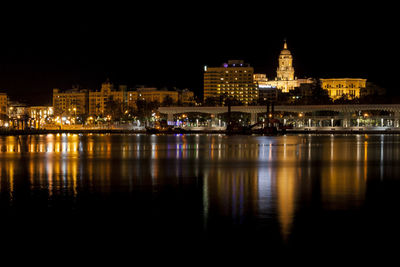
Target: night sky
[[45, 47]]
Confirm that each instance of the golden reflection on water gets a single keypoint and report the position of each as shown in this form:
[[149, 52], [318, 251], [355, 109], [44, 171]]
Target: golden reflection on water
[[242, 177]]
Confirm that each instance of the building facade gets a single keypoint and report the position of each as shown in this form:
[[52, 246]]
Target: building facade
[[3, 110], [285, 77], [266, 92], [39, 115], [109, 98], [337, 87], [186, 97], [233, 79], [98, 100], [71, 102], [3, 104], [151, 94]]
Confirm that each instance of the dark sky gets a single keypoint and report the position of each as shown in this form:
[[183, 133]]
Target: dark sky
[[45, 47]]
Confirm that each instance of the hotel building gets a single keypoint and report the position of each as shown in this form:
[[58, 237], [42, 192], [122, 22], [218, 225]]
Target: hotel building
[[233, 79]]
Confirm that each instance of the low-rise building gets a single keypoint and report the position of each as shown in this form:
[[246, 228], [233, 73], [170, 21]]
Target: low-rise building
[[337, 87], [186, 97], [151, 94], [39, 115], [3, 104], [71, 102], [18, 114]]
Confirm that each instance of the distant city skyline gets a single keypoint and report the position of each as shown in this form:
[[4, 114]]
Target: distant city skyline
[[40, 52]]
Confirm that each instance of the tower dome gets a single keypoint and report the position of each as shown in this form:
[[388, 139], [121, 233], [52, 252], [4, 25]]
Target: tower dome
[[285, 50], [285, 69]]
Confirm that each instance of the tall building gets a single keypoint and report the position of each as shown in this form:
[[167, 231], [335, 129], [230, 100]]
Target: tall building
[[337, 87], [70, 102], [285, 79], [233, 79], [285, 71]]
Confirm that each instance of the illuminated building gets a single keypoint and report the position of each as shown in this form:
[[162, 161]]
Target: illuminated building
[[233, 79], [3, 109], [3, 103], [17, 114], [98, 100], [151, 95], [337, 87], [265, 91], [70, 102], [285, 79], [17, 110], [76, 102], [39, 114], [186, 97], [154, 95]]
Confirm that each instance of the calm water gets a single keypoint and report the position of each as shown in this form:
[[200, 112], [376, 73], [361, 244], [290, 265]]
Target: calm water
[[253, 193]]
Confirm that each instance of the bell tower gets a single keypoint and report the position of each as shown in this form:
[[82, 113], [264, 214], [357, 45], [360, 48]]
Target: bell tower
[[285, 70]]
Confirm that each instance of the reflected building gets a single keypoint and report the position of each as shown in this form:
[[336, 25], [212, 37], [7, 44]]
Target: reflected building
[[267, 179]]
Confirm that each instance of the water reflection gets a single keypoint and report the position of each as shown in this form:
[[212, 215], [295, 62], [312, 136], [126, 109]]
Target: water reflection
[[244, 178]]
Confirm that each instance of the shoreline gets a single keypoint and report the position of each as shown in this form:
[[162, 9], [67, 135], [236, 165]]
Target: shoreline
[[116, 131]]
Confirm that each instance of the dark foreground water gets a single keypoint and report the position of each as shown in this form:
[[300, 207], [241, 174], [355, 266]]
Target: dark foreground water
[[251, 197]]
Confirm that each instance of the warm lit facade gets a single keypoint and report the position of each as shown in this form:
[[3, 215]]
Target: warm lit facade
[[233, 79], [3, 104], [96, 103], [3, 110], [337, 87], [98, 100], [285, 79], [70, 102], [40, 112], [151, 95], [39, 115]]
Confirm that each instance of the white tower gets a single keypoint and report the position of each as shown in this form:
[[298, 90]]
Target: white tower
[[285, 70]]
